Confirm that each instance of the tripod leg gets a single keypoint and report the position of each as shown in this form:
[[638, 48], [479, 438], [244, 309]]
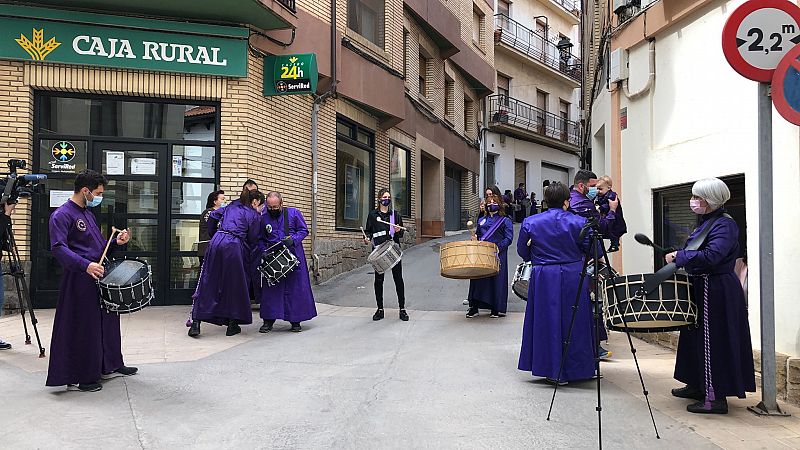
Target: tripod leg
[[633, 353], [24, 296], [22, 308], [569, 336]]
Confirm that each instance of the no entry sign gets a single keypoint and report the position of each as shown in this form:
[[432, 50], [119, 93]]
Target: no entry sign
[[758, 34]]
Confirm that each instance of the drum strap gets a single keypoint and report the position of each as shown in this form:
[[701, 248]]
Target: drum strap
[[493, 228], [707, 348]]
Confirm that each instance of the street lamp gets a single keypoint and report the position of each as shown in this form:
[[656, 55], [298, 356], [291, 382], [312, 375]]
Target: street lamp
[[564, 45]]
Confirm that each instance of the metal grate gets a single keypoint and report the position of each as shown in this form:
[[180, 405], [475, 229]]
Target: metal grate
[[289, 4], [510, 111]]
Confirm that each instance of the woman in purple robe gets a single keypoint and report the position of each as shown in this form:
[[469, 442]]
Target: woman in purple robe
[[222, 296], [715, 359], [492, 292], [557, 254], [291, 299], [86, 345]]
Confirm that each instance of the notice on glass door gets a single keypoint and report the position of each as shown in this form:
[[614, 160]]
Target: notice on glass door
[[115, 163], [177, 165], [58, 198], [143, 166]]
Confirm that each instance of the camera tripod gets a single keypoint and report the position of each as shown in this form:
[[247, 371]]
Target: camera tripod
[[16, 270], [591, 229]]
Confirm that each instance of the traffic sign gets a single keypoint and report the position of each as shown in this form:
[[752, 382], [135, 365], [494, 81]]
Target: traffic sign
[[758, 34], [786, 86]]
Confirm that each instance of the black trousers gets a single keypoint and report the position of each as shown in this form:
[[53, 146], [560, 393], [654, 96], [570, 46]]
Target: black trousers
[[397, 274]]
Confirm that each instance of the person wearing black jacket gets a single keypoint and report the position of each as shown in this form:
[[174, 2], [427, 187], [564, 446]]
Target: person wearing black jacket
[[5, 225], [380, 233]]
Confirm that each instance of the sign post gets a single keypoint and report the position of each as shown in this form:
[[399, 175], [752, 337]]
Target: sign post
[[755, 39]]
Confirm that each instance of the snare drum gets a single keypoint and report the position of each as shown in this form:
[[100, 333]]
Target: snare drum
[[668, 308], [468, 260], [385, 256], [277, 265], [126, 287], [522, 278]]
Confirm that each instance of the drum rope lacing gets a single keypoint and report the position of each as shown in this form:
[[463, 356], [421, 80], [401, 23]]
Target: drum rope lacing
[[707, 347]]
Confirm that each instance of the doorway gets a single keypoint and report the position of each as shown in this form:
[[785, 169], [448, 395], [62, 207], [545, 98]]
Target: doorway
[[452, 198]]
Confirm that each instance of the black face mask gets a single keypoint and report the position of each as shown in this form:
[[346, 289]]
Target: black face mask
[[275, 213]]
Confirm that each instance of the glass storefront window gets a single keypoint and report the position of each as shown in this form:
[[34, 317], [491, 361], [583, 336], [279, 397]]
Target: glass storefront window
[[190, 198], [185, 232], [130, 197], [400, 181], [184, 272], [193, 161], [129, 162], [144, 235], [62, 156], [108, 117], [354, 175]]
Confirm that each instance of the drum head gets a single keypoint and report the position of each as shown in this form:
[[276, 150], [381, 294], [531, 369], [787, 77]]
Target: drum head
[[123, 272]]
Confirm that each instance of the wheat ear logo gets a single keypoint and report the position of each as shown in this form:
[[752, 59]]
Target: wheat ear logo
[[38, 49]]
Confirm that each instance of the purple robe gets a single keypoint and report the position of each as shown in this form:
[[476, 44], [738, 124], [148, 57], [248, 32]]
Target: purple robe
[[291, 299], [557, 254], [731, 351], [86, 340], [222, 292], [492, 292]]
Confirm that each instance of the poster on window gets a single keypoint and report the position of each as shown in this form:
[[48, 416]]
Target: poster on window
[[352, 192], [143, 166], [177, 165]]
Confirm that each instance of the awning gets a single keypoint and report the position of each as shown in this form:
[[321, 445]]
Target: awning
[[262, 14]]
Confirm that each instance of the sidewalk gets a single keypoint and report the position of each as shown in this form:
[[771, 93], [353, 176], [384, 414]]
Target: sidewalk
[[158, 335]]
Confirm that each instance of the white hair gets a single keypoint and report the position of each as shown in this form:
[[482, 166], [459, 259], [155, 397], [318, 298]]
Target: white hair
[[712, 190]]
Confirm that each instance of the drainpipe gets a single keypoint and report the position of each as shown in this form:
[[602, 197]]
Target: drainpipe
[[650, 79], [318, 100]]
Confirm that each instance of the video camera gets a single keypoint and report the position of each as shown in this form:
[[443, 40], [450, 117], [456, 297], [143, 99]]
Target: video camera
[[15, 185]]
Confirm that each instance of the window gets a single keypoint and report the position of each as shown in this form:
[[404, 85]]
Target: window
[[503, 88], [400, 180], [504, 7], [355, 155], [540, 37], [366, 17], [541, 104], [469, 117], [449, 101], [673, 221], [478, 23], [491, 180], [423, 75], [405, 54]]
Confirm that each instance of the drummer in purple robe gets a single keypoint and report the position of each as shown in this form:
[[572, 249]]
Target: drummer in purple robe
[[222, 296], [86, 345], [557, 254], [492, 292], [581, 202], [715, 359], [291, 298], [381, 231]]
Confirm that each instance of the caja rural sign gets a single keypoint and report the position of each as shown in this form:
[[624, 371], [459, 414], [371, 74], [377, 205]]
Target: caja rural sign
[[130, 46]]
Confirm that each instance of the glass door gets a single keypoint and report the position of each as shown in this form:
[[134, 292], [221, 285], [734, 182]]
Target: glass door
[[137, 197]]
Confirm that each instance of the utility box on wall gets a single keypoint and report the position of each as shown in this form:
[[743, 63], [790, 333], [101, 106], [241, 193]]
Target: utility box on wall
[[618, 70]]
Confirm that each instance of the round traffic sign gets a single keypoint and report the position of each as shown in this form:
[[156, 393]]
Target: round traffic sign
[[786, 86], [758, 34]]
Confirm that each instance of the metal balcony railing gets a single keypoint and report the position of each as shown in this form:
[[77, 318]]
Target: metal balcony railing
[[533, 44], [572, 6], [505, 110], [289, 4]]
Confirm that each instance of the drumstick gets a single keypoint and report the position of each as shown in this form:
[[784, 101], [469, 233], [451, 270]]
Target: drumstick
[[387, 223], [113, 232], [364, 233], [529, 242]]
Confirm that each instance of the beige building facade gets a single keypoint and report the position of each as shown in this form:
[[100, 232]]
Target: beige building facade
[[386, 112]]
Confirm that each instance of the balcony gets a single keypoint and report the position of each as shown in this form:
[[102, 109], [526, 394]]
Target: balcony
[[529, 122], [571, 7], [289, 4], [536, 47]]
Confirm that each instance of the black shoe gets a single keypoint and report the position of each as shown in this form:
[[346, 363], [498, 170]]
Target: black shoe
[[554, 381], [194, 331], [85, 387], [494, 315], [233, 329], [403, 315], [4, 345], [688, 392], [473, 312], [612, 249], [267, 327], [378, 315], [716, 407], [296, 327]]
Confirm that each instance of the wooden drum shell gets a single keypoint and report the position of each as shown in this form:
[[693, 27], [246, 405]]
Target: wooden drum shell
[[468, 260]]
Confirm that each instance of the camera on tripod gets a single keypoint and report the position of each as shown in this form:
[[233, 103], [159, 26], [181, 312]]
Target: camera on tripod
[[15, 186]]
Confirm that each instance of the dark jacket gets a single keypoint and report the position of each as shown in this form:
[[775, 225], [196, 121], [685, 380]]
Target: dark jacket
[[619, 227], [374, 227]]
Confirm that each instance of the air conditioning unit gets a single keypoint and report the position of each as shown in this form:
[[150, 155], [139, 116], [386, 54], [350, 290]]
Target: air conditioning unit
[[618, 69]]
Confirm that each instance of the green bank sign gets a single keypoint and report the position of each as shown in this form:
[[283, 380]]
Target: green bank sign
[[290, 74], [131, 45]]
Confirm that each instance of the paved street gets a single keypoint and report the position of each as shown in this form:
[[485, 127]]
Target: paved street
[[437, 381]]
